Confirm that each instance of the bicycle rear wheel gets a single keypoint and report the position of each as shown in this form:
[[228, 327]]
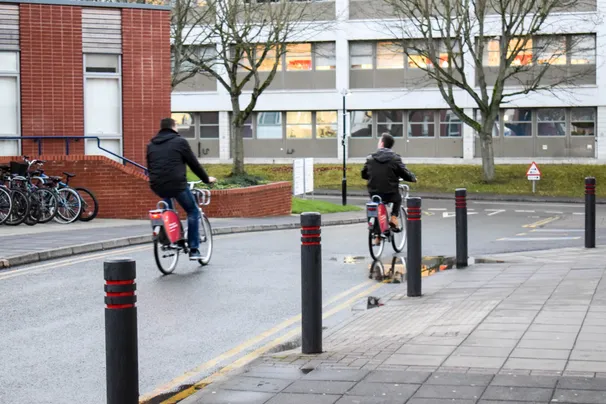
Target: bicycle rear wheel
[[398, 237], [69, 206], [90, 206], [6, 205], [166, 257], [43, 205], [375, 250], [206, 241], [20, 208]]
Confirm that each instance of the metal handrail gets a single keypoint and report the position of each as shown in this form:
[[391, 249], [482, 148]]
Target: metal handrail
[[67, 139]]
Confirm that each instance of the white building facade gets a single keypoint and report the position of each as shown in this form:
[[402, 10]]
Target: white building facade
[[301, 113]]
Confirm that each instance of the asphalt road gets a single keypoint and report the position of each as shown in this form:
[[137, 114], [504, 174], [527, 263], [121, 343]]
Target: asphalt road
[[52, 327]]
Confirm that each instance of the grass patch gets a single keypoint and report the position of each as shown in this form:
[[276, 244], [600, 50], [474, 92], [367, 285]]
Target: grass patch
[[557, 179], [308, 205]]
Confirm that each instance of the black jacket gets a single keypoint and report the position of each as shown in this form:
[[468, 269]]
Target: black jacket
[[167, 155], [383, 170]]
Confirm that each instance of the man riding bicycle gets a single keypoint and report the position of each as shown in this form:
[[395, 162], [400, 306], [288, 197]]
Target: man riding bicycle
[[167, 157], [383, 170]]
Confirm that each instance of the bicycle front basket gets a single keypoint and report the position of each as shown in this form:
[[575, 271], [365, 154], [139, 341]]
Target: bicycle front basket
[[18, 168]]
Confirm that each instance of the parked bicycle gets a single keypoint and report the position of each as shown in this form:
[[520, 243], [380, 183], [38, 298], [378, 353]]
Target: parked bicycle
[[19, 199], [169, 237], [379, 228]]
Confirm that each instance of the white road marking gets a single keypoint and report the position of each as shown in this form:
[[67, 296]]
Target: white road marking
[[557, 230], [537, 238], [440, 209], [524, 211], [494, 211], [533, 204], [453, 214], [578, 213], [554, 211]]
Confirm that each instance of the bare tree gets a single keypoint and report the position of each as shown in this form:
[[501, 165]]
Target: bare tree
[[240, 43], [492, 51]]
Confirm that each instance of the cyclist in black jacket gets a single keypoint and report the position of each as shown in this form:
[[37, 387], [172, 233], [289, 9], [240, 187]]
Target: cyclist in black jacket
[[383, 170], [167, 157]]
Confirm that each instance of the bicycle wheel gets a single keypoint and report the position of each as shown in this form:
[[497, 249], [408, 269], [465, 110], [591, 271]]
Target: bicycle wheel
[[206, 241], [90, 206], [6, 205], [398, 237], [375, 250], [20, 208], [44, 205], [69, 206], [166, 257]]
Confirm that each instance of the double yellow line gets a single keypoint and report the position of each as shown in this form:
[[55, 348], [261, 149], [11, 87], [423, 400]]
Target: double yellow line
[[541, 222], [368, 286]]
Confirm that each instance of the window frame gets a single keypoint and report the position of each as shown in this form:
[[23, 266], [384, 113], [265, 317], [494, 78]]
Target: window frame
[[193, 123], [410, 123], [303, 125], [572, 121], [441, 123], [208, 125], [555, 122], [317, 125], [281, 125], [16, 75], [311, 56], [384, 44], [315, 55], [529, 122], [401, 123], [372, 55]]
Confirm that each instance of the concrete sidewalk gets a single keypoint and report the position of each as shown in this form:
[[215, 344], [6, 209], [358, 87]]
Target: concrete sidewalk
[[530, 330], [28, 244]]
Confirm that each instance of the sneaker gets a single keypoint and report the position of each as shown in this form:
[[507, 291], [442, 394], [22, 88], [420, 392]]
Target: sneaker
[[377, 241], [394, 222], [194, 255]]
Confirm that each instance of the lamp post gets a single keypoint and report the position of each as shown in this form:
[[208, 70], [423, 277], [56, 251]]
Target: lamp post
[[344, 93]]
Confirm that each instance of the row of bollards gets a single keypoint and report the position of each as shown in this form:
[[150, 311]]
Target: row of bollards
[[121, 345]]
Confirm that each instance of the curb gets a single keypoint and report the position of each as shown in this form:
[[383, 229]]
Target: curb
[[111, 244], [474, 197]]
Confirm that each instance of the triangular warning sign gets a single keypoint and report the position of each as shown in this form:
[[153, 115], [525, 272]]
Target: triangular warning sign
[[533, 169]]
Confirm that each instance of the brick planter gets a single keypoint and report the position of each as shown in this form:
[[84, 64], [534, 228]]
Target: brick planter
[[123, 192]]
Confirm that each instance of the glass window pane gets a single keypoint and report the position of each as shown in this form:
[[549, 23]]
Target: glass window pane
[[247, 132], [421, 116], [298, 131], [361, 55], [583, 114], [395, 130], [269, 61], [102, 63], [361, 123], [209, 118], [418, 61], [396, 116], [551, 50], [551, 114], [8, 61], [491, 56], [269, 125], [8, 106], [517, 115], [583, 129], [298, 117], [324, 131], [582, 50], [450, 124], [524, 48], [209, 132], [421, 123], [298, 56], [390, 55], [102, 106], [325, 56], [185, 124], [326, 117], [551, 128]]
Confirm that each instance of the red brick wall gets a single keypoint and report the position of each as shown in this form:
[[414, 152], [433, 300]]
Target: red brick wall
[[146, 77], [123, 192], [51, 76]]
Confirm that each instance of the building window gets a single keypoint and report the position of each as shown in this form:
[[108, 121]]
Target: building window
[[415, 60], [551, 122], [209, 125], [185, 124], [298, 125], [550, 50], [450, 124], [524, 56], [361, 123], [361, 55], [421, 123], [326, 124], [9, 102], [517, 122], [298, 57], [270, 59], [492, 53], [582, 50], [582, 122], [325, 56], [96, 63], [390, 55], [269, 125], [103, 103], [391, 122], [247, 129]]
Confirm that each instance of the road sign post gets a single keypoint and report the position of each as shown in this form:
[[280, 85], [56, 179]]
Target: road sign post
[[533, 174]]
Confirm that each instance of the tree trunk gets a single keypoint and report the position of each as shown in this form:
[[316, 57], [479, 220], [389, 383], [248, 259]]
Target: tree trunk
[[236, 142], [487, 154]]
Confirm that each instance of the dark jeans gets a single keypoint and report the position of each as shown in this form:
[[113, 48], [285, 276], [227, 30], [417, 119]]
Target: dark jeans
[[188, 203], [392, 197]]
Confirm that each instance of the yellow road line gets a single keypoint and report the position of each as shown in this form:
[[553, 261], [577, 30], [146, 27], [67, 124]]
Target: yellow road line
[[541, 222], [259, 351], [64, 263]]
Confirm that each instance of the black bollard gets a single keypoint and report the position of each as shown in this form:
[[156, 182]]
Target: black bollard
[[414, 259], [461, 223], [121, 350], [311, 283], [589, 212]]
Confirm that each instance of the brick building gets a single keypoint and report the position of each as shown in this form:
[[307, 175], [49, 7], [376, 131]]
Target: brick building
[[78, 68]]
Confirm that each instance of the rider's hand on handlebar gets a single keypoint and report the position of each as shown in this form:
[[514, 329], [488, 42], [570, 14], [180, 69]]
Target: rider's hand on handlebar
[[212, 180]]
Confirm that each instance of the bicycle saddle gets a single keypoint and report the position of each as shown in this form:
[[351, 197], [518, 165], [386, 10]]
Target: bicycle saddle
[[69, 175]]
